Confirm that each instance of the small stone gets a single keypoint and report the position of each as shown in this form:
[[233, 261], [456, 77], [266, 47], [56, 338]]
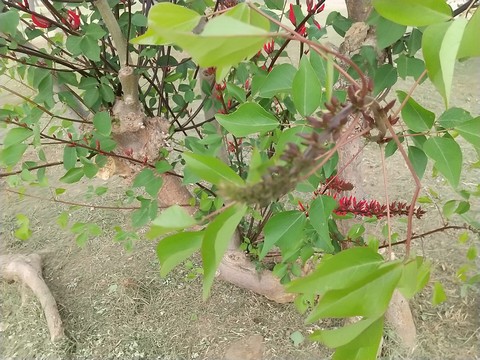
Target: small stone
[[247, 348]]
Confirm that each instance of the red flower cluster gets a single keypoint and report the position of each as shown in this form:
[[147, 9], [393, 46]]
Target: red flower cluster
[[335, 184], [293, 19], [349, 204], [269, 47]]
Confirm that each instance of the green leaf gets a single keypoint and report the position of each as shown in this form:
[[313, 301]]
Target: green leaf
[[448, 157], [418, 159], [62, 220], [325, 71], [102, 123], [16, 136], [150, 181], [387, 32], [438, 295], [236, 92], [414, 277], [440, 46], [218, 236], [320, 210], [453, 117], [249, 118], [9, 22], [282, 227], [175, 249], [211, 169], [413, 12], [72, 176], [23, 231], [306, 89], [12, 154], [278, 81], [368, 297], [469, 44], [470, 131], [414, 115], [344, 335], [340, 23], [350, 265], [173, 218], [385, 77], [69, 157], [409, 66], [297, 338], [89, 47], [365, 346]]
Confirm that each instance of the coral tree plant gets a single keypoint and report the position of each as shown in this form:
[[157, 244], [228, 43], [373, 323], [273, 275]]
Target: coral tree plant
[[258, 176]]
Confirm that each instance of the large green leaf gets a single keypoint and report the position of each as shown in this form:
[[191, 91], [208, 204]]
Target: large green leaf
[[350, 266], [448, 157], [249, 118], [176, 248], [173, 218], [413, 12], [103, 123], [409, 66], [72, 176], [279, 80], [342, 336], [306, 88], [218, 236], [9, 21], [363, 347], [211, 169], [283, 227], [320, 210], [385, 77], [367, 297], [470, 131], [387, 31], [469, 45], [11, 155], [415, 115], [440, 44], [453, 117]]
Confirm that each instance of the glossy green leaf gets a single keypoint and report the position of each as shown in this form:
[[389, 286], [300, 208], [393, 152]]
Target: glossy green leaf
[[278, 81], [438, 295], [236, 92], [415, 115], [218, 236], [350, 265], [418, 159], [367, 297], [343, 335], [306, 89], [211, 169], [282, 227], [448, 157], [72, 176], [16, 136], [387, 32], [102, 123], [326, 73], [175, 249], [470, 131], [413, 277], [173, 218], [319, 212], [363, 347], [249, 118], [413, 12], [440, 46], [469, 44]]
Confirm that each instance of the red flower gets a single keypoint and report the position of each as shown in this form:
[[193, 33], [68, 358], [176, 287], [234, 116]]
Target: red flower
[[319, 27], [73, 20], [220, 87], [291, 16], [269, 47], [40, 22]]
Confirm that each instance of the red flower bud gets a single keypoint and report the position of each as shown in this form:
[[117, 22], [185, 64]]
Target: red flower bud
[[73, 20], [40, 22], [269, 47], [291, 16]]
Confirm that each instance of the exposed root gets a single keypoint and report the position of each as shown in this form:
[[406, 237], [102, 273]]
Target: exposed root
[[28, 270]]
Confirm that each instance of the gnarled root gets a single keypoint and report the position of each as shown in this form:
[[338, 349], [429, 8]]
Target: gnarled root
[[28, 270]]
